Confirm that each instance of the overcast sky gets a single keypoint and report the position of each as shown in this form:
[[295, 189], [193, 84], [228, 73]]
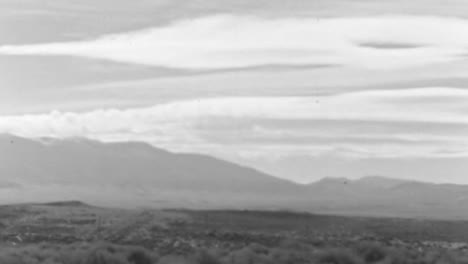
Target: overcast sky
[[300, 89]]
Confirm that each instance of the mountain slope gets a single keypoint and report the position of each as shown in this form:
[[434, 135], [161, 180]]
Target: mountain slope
[[380, 196], [134, 169], [137, 174]]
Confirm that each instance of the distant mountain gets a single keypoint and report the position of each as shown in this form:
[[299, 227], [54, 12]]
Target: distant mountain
[[366, 181], [380, 182], [381, 196], [344, 188], [137, 174], [131, 174]]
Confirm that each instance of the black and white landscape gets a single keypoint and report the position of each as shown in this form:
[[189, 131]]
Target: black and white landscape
[[139, 175], [222, 131]]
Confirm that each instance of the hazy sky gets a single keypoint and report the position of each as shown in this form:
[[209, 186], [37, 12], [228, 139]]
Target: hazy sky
[[300, 89]]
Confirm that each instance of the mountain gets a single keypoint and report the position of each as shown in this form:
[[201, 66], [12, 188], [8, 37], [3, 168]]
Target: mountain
[[365, 187], [137, 174], [131, 174], [381, 196]]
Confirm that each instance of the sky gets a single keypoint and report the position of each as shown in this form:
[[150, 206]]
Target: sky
[[299, 89]]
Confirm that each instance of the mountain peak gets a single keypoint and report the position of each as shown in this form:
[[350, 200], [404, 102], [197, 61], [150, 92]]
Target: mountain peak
[[364, 183], [380, 181], [333, 180], [134, 172]]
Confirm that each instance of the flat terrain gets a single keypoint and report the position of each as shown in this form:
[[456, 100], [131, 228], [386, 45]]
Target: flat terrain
[[77, 233], [182, 231]]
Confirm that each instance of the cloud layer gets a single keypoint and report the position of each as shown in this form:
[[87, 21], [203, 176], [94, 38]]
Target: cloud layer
[[228, 41], [340, 85], [413, 122]]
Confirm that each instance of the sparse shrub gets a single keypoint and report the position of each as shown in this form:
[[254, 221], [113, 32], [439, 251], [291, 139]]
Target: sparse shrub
[[105, 255], [140, 256], [371, 252], [171, 259], [259, 249], [76, 254], [205, 257], [285, 253], [285, 256], [338, 256], [295, 244], [242, 256]]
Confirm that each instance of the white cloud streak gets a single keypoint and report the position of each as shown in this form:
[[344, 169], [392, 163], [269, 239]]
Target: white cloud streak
[[228, 41], [183, 125]]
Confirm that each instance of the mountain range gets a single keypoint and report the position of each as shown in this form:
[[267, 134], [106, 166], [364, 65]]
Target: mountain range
[[136, 174]]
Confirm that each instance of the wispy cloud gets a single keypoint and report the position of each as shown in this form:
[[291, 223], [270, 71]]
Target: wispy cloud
[[228, 41], [389, 45], [197, 125]]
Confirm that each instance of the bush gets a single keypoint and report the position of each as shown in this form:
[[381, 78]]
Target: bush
[[76, 254], [140, 256], [204, 257], [371, 252], [285, 253], [338, 256]]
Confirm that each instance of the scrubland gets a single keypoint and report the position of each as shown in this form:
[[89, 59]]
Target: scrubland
[[75, 233]]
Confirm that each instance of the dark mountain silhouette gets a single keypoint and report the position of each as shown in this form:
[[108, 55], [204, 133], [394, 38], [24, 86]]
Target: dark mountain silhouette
[[137, 174]]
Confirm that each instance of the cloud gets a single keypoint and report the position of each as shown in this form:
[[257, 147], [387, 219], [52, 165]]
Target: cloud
[[389, 45], [229, 41], [422, 121]]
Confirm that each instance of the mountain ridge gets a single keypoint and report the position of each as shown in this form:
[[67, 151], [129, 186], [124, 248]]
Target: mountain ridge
[[138, 174]]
